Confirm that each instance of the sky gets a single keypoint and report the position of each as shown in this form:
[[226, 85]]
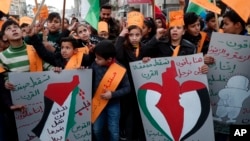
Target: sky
[[56, 3]]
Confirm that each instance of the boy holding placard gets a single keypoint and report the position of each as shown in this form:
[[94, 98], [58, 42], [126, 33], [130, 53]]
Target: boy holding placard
[[110, 83], [18, 57]]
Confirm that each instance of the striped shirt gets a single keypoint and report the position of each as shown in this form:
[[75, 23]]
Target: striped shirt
[[16, 59]]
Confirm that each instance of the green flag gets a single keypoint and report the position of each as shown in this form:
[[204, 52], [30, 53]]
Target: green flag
[[90, 11]]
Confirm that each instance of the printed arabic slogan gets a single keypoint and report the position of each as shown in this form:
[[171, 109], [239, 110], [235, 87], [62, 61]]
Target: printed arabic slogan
[[228, 80], [173, 98], [58, 105]]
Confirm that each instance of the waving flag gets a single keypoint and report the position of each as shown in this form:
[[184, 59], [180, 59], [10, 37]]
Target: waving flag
[[192, 7], [90, 10]]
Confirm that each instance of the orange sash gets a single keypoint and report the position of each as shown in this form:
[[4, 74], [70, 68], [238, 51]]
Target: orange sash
[[76, 60], [36, 63], [176, 51], [110, 81], [202, 40]]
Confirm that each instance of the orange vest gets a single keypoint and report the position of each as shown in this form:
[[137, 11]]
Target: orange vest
[[75, 61], [201, 42], [110, 81]]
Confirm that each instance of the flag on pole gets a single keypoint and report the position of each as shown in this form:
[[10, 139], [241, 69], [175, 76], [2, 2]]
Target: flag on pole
[[192, 7], [90, 11], [207, 5]]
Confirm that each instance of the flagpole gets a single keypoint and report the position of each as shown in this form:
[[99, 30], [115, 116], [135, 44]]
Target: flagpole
[[63, 17], [37, 13], [36, 4], [153, 9], [216, 17]]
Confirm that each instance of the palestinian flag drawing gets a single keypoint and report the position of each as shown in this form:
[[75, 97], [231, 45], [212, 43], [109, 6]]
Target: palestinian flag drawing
[[59, 112], [176, 110]]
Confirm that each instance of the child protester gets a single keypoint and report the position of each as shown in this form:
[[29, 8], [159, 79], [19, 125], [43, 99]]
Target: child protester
[[18, 57], [69, 57], [52, 38], [129, 48], [175, 45], [110, 83], [85, 38]]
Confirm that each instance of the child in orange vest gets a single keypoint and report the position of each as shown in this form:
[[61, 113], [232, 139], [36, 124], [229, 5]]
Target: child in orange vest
[[18, 57], [110, 83]]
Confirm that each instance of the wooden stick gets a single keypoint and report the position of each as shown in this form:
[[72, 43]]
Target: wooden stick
[[37, 13], [63, 17], [153, 9], [36, 4], [216, 18]]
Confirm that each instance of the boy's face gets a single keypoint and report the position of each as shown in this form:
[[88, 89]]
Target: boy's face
[[101, 61], [194, 29], [67, 50], [54, 25], [12, 33], [83, 33], [211, 24], [135, 36], [229, 26], [103, 34]]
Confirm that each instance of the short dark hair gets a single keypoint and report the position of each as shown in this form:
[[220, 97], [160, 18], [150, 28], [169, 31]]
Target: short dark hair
[[8, 23], [74, 18], [105, 49], [234, 17], [53, 15], [72, 40], [190, 18], [209, 16], [106, 6]]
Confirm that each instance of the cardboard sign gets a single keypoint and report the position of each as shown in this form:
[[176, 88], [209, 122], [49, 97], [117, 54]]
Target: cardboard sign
[[173, 98], [44, 13], [26, 20], [176, 18], [241, 7], [58, 106], [135, 18], [228, 80], [207, 5], [5, 6]]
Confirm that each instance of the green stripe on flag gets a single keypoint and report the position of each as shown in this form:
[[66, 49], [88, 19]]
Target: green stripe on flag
[[192, 7], [71, 117], [93, 13]]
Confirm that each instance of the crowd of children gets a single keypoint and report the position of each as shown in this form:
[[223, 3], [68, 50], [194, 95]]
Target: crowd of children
[[53, 48]]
